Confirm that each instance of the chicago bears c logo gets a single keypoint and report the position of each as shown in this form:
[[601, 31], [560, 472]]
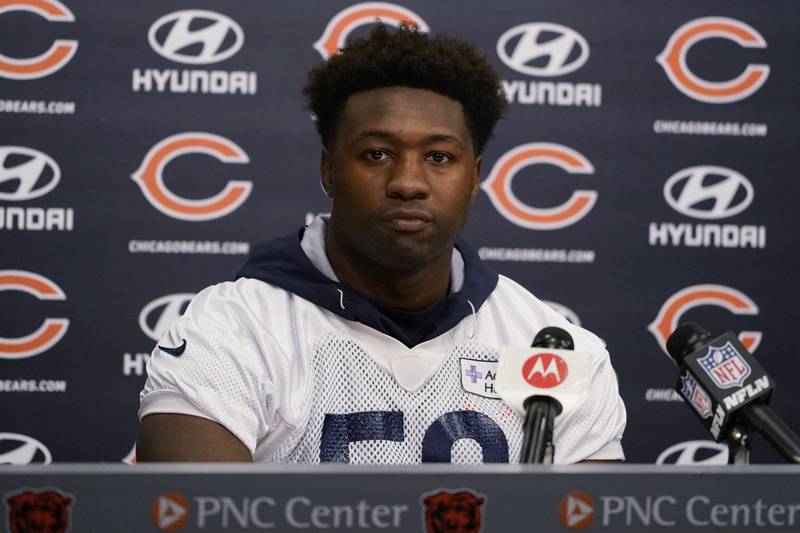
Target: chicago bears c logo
[[46, 511], [498, 186], [59, 53], [695, 296], [150, 177], [673, 60], [335, 35], [50, 332], [452, 512]]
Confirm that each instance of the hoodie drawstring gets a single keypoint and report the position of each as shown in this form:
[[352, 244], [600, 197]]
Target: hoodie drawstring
[[341, 298], [473, 321]]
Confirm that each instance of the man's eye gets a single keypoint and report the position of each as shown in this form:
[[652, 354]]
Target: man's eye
[[439, 157], [377, 155]]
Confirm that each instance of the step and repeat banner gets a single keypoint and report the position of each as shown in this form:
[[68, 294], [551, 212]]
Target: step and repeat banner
[[645, 174]]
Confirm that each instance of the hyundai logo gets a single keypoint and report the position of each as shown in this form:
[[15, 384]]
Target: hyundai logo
[[196, 36], [694, 452], [32, 172], [708, 192], [16, 449], [543, 49], [157, 316]]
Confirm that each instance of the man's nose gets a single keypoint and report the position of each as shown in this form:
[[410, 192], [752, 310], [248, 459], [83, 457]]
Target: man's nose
[[408, 179]]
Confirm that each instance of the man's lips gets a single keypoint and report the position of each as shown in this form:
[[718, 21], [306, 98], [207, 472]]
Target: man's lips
[[407, 219]]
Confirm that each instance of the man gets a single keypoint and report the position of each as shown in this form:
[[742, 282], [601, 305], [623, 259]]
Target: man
[[348, 342]]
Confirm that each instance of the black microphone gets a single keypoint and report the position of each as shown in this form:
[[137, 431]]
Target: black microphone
[[727, 388], [540, 410]]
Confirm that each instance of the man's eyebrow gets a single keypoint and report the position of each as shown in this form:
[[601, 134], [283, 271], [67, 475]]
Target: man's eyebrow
[[445, 138], [382, 134]]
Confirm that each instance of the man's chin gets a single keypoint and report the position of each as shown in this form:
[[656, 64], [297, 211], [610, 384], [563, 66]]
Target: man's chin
[[404, 255]]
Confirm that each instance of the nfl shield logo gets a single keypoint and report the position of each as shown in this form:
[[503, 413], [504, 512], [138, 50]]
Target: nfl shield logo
[[695, 395], [725, 367]]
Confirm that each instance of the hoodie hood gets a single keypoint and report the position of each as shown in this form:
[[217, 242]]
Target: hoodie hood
[[283, 263]]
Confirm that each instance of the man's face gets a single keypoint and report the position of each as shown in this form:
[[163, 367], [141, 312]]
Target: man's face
[[402, 173]]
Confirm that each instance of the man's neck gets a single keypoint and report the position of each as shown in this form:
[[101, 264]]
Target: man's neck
[[403, 289]]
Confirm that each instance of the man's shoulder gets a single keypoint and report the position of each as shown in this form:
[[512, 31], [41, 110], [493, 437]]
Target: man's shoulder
[[242, 290], [244, 301], [518, 303], [516, 298]]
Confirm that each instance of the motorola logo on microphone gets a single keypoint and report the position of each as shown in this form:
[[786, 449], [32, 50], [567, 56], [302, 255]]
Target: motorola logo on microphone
[[546, 50], [195, 37], [708, 192], [545, 370]]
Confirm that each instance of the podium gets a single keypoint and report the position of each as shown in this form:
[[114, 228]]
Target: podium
[[430, 498]]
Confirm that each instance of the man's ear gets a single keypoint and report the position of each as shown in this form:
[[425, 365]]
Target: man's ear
[[326, 172], [476, 178]]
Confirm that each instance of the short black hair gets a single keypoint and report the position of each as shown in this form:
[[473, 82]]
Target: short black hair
[[407, 57]]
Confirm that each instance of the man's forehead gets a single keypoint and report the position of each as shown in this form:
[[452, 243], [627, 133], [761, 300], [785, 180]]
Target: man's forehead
[[394, 109]]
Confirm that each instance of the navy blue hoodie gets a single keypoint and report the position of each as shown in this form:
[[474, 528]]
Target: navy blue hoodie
[[282, 263]]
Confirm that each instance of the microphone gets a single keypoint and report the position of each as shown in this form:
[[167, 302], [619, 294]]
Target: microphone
[[727, 388], [541, 383]]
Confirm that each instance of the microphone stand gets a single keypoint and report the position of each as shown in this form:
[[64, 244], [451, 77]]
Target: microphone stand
[[537, 444], [761, 419], [738, 446]]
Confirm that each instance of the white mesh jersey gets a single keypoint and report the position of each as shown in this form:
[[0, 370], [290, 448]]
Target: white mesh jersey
[[297, 383]]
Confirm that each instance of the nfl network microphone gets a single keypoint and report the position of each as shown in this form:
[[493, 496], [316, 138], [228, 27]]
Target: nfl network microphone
[[727, 388], [547, 380]]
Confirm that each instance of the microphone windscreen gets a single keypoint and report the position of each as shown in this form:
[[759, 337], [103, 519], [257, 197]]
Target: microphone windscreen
[[687, 338], [553, 337]]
